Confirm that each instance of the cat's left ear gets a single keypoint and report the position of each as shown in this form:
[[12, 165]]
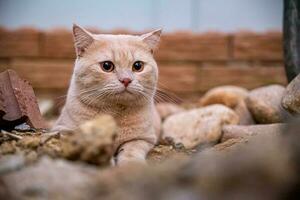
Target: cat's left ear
[[152, 39], [82, 39]]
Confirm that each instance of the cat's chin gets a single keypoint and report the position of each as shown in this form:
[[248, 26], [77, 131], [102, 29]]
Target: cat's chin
[[125, 94]]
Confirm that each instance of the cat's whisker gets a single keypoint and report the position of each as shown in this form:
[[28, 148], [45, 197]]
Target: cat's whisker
[[164, 96], [168, 96]]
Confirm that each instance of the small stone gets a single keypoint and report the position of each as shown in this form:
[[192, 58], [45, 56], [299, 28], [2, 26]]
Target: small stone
[[264, 104], [291, 99], [166, 141], [238, 131], [24, 128], [179, 146], [198, 126], [228, 95], [167, 109]]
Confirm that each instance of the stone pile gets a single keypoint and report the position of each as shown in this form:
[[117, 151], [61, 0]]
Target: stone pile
[[228, 112]]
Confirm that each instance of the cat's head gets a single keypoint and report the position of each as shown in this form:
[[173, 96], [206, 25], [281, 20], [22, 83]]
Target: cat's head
[[115, 68]]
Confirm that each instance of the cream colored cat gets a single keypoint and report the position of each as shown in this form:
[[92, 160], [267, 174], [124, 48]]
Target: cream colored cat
[[117, 75]]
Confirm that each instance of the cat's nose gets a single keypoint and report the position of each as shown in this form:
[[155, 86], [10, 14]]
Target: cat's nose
[[126, 81]]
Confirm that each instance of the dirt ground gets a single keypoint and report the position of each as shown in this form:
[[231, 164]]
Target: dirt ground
[[37, 165]]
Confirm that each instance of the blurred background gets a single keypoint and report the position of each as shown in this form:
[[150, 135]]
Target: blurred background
[[172, 15], [206, 43]]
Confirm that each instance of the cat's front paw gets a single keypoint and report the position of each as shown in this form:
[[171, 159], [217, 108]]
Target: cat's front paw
[[133, 152], [125, 157]]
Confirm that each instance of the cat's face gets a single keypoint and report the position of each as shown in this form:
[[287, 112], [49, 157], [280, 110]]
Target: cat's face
[[115, 68]]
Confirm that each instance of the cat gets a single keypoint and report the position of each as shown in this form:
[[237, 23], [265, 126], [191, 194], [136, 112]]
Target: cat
[[116, 75]]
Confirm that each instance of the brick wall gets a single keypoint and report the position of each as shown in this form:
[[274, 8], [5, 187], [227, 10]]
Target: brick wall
[[190, 64]]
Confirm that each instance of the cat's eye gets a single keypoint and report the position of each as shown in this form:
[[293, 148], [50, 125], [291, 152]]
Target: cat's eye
[[107, 66], [138, 66]]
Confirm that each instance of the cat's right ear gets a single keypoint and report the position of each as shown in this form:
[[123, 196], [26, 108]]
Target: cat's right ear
[[82, 39]]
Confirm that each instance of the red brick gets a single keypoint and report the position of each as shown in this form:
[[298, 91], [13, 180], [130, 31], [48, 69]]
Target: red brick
[[258, 46], [44, 73], [178, 78], [21, 42], [193, 47], [248, 77], [57, 44]]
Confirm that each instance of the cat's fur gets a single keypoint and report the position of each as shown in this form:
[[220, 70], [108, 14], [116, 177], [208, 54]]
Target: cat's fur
[[93, 91]]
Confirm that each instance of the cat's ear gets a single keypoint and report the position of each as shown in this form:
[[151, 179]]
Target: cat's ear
[[82, 39], [152, 39]]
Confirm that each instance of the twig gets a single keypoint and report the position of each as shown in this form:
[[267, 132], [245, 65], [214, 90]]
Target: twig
[[48, 136], [11, 135]]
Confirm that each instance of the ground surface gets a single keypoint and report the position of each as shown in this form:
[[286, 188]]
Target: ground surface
[[36, 165]]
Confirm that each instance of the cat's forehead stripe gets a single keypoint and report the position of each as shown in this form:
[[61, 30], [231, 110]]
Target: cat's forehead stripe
[[122, 55], [128, 40]]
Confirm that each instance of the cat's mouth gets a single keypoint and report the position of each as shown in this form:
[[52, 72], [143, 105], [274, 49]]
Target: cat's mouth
[[124, 91]]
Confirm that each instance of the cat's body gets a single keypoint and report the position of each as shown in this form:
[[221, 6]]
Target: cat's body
[[116, 75]]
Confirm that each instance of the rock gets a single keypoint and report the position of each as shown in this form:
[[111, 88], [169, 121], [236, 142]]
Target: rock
[[229, 96], [18, 102], [264, 104], [166, 109], [238, 131], [11, 163], [23, 128], [232, 97], [198, 126], [52, 179], [92, 143], [244, 114], [291, 99], [98, 136], [102, 126]]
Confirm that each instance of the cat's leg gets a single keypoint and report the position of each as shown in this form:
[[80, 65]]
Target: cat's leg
[[133, 151]]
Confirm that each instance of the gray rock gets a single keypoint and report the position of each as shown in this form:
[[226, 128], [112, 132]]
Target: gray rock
[[198, 126], [291, 99], [264, 104], [52, 179], [10, 163], [238, 131], [23, 127]]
